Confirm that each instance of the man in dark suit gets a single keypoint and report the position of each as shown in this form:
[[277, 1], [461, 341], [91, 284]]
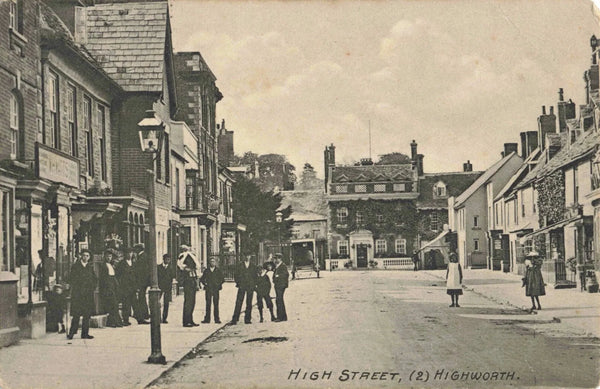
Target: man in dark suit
[[245, 281], [189, 265], [83, 282], [212, 279], [127, 284], [165, 284], [280, 282]]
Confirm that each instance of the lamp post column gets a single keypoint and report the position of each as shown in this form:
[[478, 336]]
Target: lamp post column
[[154, 293]]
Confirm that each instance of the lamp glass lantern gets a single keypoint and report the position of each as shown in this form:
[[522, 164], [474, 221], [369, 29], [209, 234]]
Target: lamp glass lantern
[[278, 217], [151, 131]]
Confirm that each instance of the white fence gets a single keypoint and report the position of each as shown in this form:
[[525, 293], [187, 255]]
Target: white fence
[[382, 263]]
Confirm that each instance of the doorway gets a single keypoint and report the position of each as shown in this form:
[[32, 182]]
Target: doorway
[[361, 255]]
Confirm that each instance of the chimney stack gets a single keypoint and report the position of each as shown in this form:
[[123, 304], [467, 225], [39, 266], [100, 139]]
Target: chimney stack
[[420, 164], [329, 162], [546, 125], [467, 166], [529, 142], [510, 148], [565, 111], [413, 151]]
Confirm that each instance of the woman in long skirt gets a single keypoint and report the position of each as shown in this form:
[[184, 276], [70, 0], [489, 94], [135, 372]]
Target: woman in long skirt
[[534, 283], [454, 279]]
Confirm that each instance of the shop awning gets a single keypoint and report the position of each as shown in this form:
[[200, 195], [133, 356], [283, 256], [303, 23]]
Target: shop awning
[[549, 228], [438, 242], [87, 212]]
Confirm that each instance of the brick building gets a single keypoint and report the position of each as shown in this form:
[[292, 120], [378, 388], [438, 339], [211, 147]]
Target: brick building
[[19, 124]]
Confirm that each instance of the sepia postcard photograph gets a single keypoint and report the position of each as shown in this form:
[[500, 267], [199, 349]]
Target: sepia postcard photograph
[[299, 193]]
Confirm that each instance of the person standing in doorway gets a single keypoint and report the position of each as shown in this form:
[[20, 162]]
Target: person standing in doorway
[[189, 265], [212, 279], [454, 279], [165, 284], [83, 282], [245, 281], [280, 282]]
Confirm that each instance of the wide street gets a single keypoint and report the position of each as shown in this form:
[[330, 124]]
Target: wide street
[[394, 328]]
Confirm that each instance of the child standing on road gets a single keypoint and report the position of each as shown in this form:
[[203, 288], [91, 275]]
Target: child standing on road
[[454, 280], [263, 290]]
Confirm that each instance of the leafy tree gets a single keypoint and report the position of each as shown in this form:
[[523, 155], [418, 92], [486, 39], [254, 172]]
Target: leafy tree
[[395, 158], [274, 170], [256, 209], [308, 178]]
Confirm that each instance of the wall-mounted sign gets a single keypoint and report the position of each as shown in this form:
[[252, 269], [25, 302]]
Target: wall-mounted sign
[[55, 166]]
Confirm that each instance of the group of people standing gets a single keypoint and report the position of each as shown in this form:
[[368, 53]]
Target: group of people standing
[[248, 278], [122, 282], [126, 282]]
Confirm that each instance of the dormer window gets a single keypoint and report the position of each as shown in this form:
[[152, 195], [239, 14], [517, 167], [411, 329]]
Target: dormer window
[[439, 189]]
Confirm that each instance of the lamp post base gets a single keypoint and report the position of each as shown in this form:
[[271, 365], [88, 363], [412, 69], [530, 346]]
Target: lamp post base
[[156, 355]]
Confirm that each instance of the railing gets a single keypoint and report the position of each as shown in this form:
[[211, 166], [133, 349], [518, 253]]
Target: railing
[[396, 263]]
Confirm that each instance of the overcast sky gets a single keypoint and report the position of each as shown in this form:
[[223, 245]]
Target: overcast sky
[[459, 77]]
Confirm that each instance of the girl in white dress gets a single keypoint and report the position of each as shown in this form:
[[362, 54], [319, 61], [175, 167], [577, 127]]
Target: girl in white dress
[[454, 279]]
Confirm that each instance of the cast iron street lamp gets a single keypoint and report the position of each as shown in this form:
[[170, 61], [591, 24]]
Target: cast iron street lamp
[[151, 131]]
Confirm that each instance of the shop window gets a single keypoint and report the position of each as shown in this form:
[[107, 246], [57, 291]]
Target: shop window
[[131, 233], [136, 229], [380, 246], [142, 229], [400, 246], [5, 232], [343, 248]]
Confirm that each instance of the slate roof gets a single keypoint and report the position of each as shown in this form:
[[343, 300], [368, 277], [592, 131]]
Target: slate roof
[[53, 29], [129, 40], [586, 143], [456, 183], [373, 173], [482, 180], [525, 168]]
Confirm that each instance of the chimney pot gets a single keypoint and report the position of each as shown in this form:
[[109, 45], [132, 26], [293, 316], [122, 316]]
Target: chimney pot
[[561, 95], [543, 109], [552, 110]]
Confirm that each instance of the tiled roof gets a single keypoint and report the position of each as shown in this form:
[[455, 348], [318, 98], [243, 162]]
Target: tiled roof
[[128, 40], [567, 154], [456, 183], [483, 179], [373, 173]]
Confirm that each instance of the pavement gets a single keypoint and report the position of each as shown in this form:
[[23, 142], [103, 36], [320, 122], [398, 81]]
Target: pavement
[[115, 358], [579, 310]]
